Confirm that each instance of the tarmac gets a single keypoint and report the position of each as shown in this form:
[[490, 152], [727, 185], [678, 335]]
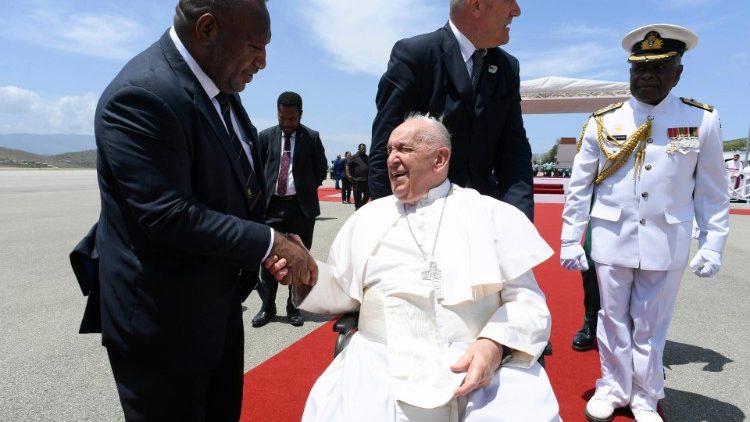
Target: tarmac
[[49, 372]]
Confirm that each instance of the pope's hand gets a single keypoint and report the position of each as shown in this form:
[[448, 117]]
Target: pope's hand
[[572, 256], [705, 263], [479, 362]]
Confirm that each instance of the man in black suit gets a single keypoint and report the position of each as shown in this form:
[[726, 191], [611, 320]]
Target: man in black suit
[[357, 172], [178, 237], [459, 72], [295, 165]]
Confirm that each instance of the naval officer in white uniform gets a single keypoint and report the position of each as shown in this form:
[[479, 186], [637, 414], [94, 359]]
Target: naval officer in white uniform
[[652, 164]]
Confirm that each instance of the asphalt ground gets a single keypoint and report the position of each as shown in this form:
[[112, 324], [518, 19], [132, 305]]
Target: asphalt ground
[[49, 372]]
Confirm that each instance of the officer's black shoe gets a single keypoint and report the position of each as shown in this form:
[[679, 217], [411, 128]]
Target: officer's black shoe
[[264, 316], [585, 338]]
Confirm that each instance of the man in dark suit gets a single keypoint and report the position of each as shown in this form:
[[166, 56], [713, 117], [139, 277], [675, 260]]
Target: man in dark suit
[[357, 167], [178, 237], [459, 72], [295, 165]]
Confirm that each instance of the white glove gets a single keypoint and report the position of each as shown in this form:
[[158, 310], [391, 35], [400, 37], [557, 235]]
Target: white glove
[[572, 256], [705, 263]]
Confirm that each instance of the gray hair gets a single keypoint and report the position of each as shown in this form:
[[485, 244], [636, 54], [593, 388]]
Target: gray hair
[[433, 132], [455, 6]]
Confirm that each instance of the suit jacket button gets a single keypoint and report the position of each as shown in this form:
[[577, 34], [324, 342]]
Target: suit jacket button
[[644, 194], [648, 167], [650, 140], [643, 221]]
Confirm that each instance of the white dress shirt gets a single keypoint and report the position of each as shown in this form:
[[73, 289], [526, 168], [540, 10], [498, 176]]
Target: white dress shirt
[[466, 47]]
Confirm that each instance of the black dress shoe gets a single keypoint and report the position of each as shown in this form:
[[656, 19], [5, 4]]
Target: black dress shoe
[[263, 317], [585, 338], [295, 318]]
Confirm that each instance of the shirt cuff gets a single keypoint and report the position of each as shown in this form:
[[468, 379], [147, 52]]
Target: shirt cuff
[[270, 246]]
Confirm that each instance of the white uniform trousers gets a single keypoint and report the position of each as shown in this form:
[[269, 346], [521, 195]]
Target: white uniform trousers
[[636, 309]]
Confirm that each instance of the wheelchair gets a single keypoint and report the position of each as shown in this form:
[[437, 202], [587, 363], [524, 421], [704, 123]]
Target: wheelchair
[[346, 326]]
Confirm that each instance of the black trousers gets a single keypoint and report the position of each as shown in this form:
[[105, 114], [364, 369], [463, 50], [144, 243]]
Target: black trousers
[[286, 217], [591, 303], [591, 300], [346, 189], [361, 193], [152, 388]]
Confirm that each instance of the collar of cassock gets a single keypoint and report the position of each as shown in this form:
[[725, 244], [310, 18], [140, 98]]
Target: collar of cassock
[[439, 191]]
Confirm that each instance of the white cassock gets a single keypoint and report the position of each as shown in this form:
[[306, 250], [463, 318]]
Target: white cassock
[[411, 330], [641, 232]]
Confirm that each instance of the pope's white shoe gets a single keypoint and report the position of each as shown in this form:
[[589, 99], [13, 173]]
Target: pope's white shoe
[[598, 410], [647, 416]]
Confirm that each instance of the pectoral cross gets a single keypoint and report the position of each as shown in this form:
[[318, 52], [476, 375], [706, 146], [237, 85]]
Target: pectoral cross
[[433, 274]]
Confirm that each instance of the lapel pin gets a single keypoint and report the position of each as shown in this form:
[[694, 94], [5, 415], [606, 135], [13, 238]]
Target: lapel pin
[[492, 69]]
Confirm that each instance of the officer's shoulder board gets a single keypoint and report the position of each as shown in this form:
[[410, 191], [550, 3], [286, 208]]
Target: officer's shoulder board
[[692, 102], [607, 109]]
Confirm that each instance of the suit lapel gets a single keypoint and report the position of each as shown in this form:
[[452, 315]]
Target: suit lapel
[[200, 100], [299, 141], [456, 67]]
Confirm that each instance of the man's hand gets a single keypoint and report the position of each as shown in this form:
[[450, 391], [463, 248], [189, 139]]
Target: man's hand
[[572, 256], [289, 261], [705, 263], [480, 363]]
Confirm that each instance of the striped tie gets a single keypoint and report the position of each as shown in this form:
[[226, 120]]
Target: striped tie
[[250, 186]]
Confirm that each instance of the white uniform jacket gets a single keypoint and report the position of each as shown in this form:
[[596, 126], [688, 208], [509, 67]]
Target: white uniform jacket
[[645, 222]]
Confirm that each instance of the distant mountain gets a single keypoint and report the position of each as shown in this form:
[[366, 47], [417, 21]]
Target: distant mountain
[[47, 144], [23, 159]]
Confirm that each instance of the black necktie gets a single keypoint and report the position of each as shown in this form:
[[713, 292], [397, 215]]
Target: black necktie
[[476, 70], [250, 185]]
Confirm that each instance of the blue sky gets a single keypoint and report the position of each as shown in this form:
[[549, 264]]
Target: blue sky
[[56, 57]]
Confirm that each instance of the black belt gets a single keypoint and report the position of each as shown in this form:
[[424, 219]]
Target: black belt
[[284, 198]]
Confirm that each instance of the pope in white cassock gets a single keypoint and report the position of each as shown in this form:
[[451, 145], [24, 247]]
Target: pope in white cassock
[[452, 321], [651, 165]]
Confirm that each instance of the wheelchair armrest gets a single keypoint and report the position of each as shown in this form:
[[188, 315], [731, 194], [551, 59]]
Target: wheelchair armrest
[[346, 323]]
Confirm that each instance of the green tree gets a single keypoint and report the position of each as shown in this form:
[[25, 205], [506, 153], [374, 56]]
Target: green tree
[[550, 155], [735, 144]]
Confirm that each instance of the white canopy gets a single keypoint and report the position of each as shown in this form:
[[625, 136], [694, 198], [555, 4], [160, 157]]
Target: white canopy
[[555, 94]]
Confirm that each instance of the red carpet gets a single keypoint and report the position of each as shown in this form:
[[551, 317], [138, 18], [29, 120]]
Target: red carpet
[[271, 397], [329, 194], [551, 188], [276, 390]]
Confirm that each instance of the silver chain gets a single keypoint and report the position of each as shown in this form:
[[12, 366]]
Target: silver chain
[[437, 232]]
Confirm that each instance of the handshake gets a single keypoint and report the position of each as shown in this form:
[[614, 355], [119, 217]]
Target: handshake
[[290, 262]]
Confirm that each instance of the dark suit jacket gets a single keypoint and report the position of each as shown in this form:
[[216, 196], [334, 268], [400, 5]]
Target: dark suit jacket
[[175, 226], [309, 165], [427, 73]]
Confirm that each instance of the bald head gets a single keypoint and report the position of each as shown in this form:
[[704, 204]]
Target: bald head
[[486, 23]]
